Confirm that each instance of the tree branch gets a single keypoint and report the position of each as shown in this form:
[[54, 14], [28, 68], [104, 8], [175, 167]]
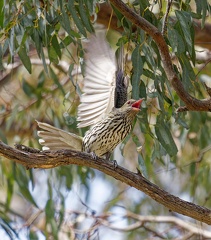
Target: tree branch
[[49, 159], [191, 103], [140, 220]]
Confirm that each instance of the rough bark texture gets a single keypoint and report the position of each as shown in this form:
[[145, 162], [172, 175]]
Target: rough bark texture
[[32, 158]]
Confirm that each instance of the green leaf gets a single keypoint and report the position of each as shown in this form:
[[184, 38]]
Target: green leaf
[[1, 13], [61, 211], [53, 55], [188, 73], [10, 187], [185, 22], [180, 121], [12, 117], [49, 209], [33, 235], [193, 169], [158, 152], [176, 41], [65, 21], [85, 17], [11, 41], [56, 45], [56, 81], [142, 90], [137, 71], [149, 56], [76, 18], [41, 80], [164, 136], [27, 88], [22, 53], [26, 193], [3, 137], [141, 162], [43, 60], [65, 42], [37, 40], [201, 8]]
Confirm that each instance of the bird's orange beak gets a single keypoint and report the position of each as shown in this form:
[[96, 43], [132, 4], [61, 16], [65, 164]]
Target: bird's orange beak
[[137, 104]]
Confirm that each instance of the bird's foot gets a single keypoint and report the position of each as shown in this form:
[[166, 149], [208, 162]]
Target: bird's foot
[[114, 163], [94, 156]]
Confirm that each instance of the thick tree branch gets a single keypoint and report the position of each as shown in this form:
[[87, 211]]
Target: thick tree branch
[[51, 159], [191, 103]]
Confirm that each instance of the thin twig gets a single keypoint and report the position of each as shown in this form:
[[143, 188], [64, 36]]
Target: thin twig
[[165, 19]]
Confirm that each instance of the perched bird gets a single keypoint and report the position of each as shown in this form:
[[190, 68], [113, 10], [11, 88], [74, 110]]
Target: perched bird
[[103, 104], [105, 85], [101, 139]]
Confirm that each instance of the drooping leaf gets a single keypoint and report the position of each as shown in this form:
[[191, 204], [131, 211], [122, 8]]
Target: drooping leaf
[[65, 22], [201, 9], [3, 137], [85, 17], [10, 188], [176, 41], [185, 22], [1, 13], [164, 136], [27, 88], [56, 81], [56, 45], [76, 19], [12, 117], [137, 71], [52, 54], [22, 53]]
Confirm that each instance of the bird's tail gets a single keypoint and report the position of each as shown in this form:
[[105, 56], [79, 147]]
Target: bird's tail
[[55, 139]]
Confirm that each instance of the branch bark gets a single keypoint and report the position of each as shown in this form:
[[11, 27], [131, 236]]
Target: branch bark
[[140, 220], [191, 103], [32, 158]]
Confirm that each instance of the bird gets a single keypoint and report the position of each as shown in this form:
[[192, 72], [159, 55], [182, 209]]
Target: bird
[[105, 84], [103, 104], [101, 139]]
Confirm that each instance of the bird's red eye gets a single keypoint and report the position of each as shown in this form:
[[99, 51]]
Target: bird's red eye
[[128, 102]]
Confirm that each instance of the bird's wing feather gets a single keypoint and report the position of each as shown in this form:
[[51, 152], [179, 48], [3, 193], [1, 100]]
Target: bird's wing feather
[[55, 138], [99, 82]]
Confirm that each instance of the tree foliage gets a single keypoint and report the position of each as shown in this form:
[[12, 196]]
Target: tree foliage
[[41, 60]]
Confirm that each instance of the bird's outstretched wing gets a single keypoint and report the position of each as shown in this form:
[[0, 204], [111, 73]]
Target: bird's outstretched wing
[[98, 95]]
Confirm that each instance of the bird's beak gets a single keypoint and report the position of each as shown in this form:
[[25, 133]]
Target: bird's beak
[[137, 104]]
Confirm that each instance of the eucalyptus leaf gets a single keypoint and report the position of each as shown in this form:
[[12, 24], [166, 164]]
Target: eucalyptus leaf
[[85, 17], [76, 18], [137, 71], [164, 136], [22, 53], [185, 21]]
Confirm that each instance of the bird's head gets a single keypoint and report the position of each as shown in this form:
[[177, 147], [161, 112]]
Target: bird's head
[[133, 105]]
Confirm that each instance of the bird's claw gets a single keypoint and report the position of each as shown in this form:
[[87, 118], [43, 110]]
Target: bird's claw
[[94, 156], [114, 164]]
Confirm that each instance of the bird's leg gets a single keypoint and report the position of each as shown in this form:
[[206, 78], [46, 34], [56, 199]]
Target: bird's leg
[[107, 157]]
